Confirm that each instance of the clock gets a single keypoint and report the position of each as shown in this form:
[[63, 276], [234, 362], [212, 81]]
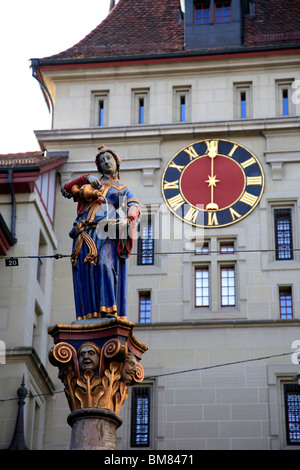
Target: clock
[[213, 183]]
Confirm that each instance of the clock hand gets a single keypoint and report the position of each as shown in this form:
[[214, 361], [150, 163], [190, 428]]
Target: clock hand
[[212, 181]]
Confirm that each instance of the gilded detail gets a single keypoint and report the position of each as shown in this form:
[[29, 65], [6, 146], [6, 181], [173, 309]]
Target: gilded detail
[[96, 377]]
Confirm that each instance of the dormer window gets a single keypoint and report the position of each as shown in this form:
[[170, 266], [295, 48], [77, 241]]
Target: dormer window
[[201, 12], [222, 12]]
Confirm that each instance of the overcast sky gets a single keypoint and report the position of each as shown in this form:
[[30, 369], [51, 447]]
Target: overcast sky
[[35, 29]]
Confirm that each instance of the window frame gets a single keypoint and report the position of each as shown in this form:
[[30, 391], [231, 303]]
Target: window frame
[[202, 249], [278, 245], [216, 3], [202, 18], [291, 388], [283, 299], [282, 86], [203, 269], [145, 313], [133, 415], [141, 95], [227, 248], [180, 92], [98, 97], [146, 244], [243, 88], [222, 286]]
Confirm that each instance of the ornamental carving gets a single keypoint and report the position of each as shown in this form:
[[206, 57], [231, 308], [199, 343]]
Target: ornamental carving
[[95, 377]]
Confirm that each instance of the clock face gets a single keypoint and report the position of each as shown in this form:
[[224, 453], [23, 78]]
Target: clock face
[[212, 183]]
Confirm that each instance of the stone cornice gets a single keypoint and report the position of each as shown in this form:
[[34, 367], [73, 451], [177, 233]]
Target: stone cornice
[[192, 130], [209, 324]]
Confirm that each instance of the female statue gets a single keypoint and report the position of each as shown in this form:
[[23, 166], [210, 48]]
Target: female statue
[[103, 234]]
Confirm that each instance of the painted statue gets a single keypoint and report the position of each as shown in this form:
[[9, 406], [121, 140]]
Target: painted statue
[[103, 234]]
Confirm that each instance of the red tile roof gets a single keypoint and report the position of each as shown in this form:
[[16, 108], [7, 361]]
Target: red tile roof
[[153, 27], [275, 22], [32, 159], [133, 27]]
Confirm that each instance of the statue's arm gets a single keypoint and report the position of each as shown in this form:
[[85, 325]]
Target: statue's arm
[[68, 185]]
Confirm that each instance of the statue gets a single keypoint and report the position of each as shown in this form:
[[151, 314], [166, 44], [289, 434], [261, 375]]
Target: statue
[[103, 234]]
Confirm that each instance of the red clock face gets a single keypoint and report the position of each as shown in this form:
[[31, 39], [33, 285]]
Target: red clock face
[[227, 182], [213, 183]]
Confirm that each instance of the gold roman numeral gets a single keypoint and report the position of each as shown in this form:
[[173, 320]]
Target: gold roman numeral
[[192, 152], [254, 180], [249, 199], [171, 184], [176, 201], [234, 147], [177, 167], [212, 148], [248, 162], [191, 214], [234, 214], [212, 218]]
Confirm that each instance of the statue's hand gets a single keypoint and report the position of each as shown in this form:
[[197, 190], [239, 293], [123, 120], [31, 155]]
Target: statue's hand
[[93, 180], [120, 223], [64, 192]]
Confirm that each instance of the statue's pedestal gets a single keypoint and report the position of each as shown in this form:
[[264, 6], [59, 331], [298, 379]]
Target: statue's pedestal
[[97, 360], [94, 429]]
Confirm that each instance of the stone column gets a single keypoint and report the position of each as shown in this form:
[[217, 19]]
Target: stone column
[[94, 429]]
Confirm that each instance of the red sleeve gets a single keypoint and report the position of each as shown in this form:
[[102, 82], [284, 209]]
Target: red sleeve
[[78, 181]]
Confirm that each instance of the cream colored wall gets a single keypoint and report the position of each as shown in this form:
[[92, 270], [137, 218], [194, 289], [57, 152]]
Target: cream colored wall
[[211, 81]]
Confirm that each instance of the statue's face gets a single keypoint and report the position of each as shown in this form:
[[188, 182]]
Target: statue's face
[[129, 368], [88, 358], [108, 164]]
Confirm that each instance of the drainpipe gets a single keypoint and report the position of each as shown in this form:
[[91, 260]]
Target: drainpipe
[[46, 93], [13, 205]]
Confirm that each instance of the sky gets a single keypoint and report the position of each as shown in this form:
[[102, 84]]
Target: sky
[[32, 29]]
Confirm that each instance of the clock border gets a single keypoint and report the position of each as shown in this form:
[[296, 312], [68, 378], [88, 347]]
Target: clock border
[[238, 219]]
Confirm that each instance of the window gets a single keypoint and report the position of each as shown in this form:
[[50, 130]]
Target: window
[[202, 249], [140, 417], [140, 106], [182, 111], [144, 307], [243, 97], [101, 113], [227, 286], [201, 12], [283, 234], [141, 111], [284, 98], [285, 302], [285, 102], [99, 108], [145, 245], [202, 287], [226, 247], [222, 12], [292, 413]]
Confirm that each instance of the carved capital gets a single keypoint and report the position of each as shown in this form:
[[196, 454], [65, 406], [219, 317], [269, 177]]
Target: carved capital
[[94, 376]]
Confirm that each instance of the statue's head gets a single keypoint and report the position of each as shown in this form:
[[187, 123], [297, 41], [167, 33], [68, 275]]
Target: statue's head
[[129, 368], [88, 357], [108, 161]]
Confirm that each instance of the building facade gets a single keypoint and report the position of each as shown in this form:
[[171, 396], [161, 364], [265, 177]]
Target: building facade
[[202, 102]]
